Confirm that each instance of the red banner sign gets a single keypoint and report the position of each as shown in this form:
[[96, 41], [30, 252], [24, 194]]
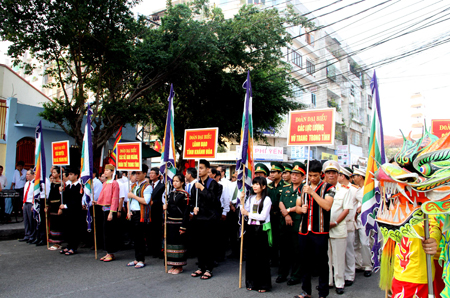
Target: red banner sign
[[440, 127], [200, 143], [311, 127], [129, 156], [60, 153]]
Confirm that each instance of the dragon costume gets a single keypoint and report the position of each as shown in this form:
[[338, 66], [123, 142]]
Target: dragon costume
[[417, 184]]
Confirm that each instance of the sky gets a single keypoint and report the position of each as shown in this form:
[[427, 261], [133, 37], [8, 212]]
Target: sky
[[426, 72]]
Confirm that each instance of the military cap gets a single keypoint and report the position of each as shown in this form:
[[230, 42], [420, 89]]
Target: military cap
[[346, 171], [331, 165], [287, 167], [276, 166], [299, 167], [261, 168], [358, 171]]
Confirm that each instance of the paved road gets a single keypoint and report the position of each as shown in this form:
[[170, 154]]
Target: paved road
[[30, 271]]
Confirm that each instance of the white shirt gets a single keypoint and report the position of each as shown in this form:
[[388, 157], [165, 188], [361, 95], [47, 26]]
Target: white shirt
[[225, 197], [19, 180], [189, 186], [342, 201], [2, 181], [350, 219], [123, 189], [98, 186], [254, 217], [134, 204], [359, 197], [29, 195]]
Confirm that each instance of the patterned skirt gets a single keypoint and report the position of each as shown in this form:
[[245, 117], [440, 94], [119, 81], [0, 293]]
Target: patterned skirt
[[176, 248], [55, 223]]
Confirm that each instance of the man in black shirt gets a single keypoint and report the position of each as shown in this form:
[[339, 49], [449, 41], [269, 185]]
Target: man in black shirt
[[205, 219]]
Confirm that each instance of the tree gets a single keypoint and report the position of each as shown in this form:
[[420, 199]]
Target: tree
[[98, 51]]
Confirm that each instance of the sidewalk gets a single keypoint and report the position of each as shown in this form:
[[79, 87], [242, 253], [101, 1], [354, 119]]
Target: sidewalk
[[13, 230]]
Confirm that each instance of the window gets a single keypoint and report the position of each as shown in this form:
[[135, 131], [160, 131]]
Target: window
[[297, 92], [309, 38], [369, 101], [313, 99], [310, 67], [296, 58], [356, 138], [352, 90]]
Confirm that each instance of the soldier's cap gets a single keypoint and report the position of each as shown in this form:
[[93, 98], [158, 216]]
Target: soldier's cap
[[276, 166], [346, 172], [287, 167], [358, 171], [331, 165], [299, 167], [261, 168]]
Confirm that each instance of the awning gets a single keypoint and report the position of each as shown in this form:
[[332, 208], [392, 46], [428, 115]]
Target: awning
[[148, 152]]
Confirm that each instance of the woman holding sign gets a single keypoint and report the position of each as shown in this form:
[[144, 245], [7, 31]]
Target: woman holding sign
[[178, 211], [258, 237]]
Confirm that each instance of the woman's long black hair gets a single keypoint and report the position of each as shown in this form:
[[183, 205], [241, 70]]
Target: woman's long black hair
[[262, 182]]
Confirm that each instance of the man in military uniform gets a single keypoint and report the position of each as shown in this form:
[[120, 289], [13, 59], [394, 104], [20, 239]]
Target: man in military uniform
[[287, 172], [261, 170], [275, 189], [289, 226]]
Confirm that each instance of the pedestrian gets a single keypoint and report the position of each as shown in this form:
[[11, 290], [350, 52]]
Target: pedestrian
[[342, 204], [287, 172], [275, 189], [178, 209], [289, 226], [138, 206], [155, 227], [18, 183], [72, 210], [109, 200], [205, 220], [28, 220], [314, 203], [55, 218], [257, 237]]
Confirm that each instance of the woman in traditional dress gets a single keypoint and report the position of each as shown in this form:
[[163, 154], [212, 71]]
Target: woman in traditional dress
[[257, 209], [55, 214], [178, 210]]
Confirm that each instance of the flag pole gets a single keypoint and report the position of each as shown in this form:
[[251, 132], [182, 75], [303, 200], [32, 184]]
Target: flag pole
[[93, 219], [46, 211], [198, 179], [429, 269], [63, 184], [242, 234], [307, 173], [165, 222]]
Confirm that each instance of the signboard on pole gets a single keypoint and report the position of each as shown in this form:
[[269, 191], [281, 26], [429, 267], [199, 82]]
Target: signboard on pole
[[300, 152], [439, 127], [329, 156], [129, 156], [60, 153], [311, 127], [261, 153], [343, 155], [200, 143]]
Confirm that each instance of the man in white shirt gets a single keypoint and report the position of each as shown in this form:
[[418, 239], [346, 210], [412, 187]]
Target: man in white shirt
[[2, 179], [18, 182], [342, 203], [28, 220]]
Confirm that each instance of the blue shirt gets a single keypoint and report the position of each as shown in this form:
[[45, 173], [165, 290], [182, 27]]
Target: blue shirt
[[134, 204]]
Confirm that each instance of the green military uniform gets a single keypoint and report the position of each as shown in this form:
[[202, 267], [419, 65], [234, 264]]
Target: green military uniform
[[274, 194], [289, 258]]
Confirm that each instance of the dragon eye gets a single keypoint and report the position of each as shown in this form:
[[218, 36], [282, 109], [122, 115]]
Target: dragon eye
[[425, 170]]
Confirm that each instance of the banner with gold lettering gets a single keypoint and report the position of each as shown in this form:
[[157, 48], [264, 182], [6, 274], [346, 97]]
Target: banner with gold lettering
[[60, 153], [439, 127], [311, 127], [129, 156], [200, 143]]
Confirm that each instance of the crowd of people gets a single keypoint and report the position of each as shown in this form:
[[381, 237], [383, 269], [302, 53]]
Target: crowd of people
[[305, 227]]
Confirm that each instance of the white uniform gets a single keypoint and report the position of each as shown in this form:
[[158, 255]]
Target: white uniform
[[362, 247], [338, 235], [351, 227]]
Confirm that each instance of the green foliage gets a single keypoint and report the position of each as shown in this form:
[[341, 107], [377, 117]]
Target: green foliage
[[96, 49]]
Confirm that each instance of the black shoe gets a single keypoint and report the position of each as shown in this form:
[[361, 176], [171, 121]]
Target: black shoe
[[280, 279], [41, 243], [32, 241], [367, 273], [340, 291], [292, 282], [23, 240], [348, 283]]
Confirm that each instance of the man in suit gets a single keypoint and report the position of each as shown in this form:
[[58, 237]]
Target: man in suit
[[154, 242]]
